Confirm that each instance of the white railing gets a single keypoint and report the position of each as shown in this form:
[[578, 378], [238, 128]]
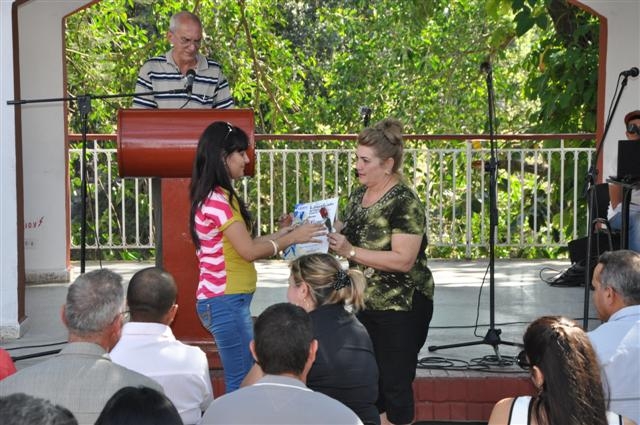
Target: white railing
[[540, 184]]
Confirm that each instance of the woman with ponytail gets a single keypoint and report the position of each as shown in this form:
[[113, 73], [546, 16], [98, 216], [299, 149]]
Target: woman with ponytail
[[564, 370], [345, 366]]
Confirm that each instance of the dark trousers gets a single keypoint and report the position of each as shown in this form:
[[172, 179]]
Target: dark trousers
[[397, 338]]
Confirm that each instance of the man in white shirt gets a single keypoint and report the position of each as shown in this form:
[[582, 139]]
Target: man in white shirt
[[284, 348], [616, 295], [149, 347]]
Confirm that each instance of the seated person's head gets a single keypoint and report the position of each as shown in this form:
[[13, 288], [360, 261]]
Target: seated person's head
[[318, 279], [22, 409], [283, 340], [94, 305], [151, 296], [139, 406], [632, 125], [616, 282], [564, 370]]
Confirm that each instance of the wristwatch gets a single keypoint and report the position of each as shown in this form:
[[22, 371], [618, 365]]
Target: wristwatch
[[352, 253]]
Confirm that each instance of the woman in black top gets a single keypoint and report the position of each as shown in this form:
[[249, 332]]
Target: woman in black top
[[345, 367]]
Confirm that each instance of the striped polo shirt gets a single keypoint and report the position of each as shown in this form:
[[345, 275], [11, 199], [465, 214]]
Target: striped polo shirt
[[161, 74]]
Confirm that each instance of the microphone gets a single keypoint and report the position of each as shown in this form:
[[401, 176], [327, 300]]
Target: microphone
[[191, 75], [632, 72], [365, 113]]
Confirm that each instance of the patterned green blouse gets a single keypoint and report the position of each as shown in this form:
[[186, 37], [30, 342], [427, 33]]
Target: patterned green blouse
[[399, 211]]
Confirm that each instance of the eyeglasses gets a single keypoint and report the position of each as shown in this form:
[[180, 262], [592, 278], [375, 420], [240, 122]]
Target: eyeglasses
[[521, 360], [633, 129], [126, 316], [184, 41]]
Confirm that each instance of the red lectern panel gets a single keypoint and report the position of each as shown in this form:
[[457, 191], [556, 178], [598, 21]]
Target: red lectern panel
[[161, 143]]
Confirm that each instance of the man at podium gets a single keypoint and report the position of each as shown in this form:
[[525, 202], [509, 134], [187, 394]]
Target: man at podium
[[182, 77], [632, 123]]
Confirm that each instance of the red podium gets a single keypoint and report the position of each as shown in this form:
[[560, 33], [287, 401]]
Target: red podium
[[162, 143]]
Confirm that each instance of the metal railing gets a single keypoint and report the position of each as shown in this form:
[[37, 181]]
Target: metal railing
[[540, 184]]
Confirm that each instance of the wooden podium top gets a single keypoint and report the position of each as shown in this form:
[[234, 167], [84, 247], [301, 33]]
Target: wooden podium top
[[162, 142]]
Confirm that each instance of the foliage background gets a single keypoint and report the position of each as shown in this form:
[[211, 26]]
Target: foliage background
[[308, 66]]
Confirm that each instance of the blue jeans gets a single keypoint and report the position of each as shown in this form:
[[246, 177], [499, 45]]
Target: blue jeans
[[634, 228], [228, 318]]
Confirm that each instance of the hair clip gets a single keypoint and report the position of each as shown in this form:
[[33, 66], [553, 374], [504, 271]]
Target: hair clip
[[341, 280]]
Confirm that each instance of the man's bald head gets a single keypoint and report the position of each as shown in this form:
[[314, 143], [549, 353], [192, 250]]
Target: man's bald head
[[151, 294]]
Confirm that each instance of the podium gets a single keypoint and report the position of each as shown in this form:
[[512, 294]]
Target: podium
[[162, 143]]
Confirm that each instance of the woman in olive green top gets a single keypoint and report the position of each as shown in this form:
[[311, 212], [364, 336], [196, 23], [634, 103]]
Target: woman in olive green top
[[383, 234]]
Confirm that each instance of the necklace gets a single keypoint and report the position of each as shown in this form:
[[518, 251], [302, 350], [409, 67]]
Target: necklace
[[371, 198]]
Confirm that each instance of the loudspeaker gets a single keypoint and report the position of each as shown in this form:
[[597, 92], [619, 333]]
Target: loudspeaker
[[575, 275], [599, 244]]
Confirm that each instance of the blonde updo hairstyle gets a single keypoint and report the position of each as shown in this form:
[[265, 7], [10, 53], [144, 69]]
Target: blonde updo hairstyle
[[328, 282], [385, 138]]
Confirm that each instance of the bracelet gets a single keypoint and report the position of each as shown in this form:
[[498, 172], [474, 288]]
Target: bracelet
[[276, 248]]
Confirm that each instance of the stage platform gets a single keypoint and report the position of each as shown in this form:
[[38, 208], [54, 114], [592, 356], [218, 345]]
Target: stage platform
[[459, 383]]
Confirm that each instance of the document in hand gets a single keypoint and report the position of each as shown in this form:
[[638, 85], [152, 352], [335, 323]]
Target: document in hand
[[323, 211]]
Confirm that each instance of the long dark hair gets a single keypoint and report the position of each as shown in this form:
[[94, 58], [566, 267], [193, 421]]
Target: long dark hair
[[572, 393], [218, 141]]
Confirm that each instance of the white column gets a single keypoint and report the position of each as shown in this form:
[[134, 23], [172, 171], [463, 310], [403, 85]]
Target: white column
[[41, 61], [9, 327]]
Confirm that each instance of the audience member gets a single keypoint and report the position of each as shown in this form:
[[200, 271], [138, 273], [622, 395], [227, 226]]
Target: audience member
[[148, 346], [632, 131], [221, 230], [345, 367], [168, 72], [285, 349], [23, 409], [139, 406], [616, 295], [82, 377], [7, 367], [564, 371]]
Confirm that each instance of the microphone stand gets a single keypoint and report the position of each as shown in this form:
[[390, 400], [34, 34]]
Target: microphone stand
[[590, 193], [84, 107], [493, 335]]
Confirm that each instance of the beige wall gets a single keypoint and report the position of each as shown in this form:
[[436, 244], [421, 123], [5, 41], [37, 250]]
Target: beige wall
[[43, 132]]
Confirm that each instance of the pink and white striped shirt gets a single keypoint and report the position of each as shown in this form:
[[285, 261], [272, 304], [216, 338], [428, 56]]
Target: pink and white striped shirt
[[222, 269]]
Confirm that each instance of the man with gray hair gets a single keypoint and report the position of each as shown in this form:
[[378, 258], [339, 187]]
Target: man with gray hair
[[182, 67], [21, 409], [616, 295], [82, 377]]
